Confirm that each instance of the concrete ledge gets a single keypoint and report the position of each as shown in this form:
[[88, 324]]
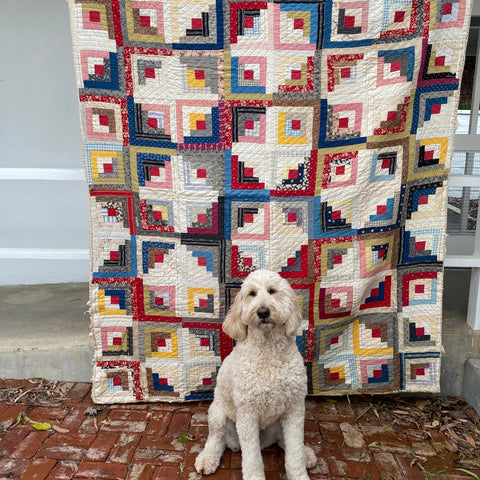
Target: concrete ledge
[[70, 364], [45, 332], [471, 384]]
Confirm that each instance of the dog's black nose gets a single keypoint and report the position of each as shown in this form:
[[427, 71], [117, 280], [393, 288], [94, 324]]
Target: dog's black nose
[[263, 312]]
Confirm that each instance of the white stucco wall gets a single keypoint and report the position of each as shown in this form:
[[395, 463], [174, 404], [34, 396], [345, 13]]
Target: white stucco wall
[[43, 194]]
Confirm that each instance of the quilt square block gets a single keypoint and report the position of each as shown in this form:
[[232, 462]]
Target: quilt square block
[[103, 119], [297, 26], [249, 75], [295, 72], [200, 124], [249, 25], [145, 21]]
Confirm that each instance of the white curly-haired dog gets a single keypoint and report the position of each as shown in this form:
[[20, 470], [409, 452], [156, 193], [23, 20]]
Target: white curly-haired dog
[[261, 386]]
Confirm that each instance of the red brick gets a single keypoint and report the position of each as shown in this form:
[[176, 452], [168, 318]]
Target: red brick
[[126, 426], [10, 413], [74, 419], [13, 437], [128, 416], [225, 460], [439, 442], [157, 456], [192, 449], [273, 459], [324, 408], [160, 443], [166, 473], [29, 446], [311, 426], [65, 387], [64, 470], [310, 408], [92, 424], [101, 447], [123, 450], [338, 418], [386, 440], [321, 468], [14, 383], [346, 454], [179, 425], [364, 412], [13, 468], [71, 439], [388, 466], [423, 448], [62, 452], [354, 470], [158, 425], [236, 460], [331, 433], [439, 464], [99, 470], [79, 391], [198, 431], [345, 408], [141, 471], [201, 406], [47, 414], [236, 475], [39, 469], [314, 439], [199, 418], [409, 471], [273, 475]]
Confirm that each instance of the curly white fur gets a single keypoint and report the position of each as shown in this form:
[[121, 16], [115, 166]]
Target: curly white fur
[[261, 386]]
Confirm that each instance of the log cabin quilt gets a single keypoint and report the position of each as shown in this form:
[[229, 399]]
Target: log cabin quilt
[[312, 138]]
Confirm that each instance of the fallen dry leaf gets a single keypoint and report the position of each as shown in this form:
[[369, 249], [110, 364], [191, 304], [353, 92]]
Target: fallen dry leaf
[[60, 429]]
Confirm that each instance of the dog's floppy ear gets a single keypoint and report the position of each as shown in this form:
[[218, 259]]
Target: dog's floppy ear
[[295, 316], [233, 325]]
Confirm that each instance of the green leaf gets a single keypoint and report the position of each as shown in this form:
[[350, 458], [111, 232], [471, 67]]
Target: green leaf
[[42, 426], [468, 472], [183, 439], [19, 419]]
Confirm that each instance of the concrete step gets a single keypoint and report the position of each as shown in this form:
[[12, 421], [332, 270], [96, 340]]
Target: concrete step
[[45, 332], [471, 384]]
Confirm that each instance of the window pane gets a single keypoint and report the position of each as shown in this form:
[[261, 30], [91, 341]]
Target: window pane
[[466, 88], [462, 209], [465, 164]]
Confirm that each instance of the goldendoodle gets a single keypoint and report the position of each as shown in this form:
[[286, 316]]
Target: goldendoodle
[[261, 386]]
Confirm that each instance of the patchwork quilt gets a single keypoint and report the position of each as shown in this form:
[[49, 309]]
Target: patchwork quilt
[[312, 138]]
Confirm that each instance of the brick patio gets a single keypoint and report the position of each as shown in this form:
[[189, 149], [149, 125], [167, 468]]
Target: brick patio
[[161, 441]]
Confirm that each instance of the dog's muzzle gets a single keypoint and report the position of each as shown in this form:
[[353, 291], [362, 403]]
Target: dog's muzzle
[[264, 315]]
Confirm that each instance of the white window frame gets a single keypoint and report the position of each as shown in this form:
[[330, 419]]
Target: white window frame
[[469, 143]]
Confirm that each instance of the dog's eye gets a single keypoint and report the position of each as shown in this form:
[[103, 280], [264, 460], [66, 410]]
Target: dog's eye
[[271, 291], [252, 293]]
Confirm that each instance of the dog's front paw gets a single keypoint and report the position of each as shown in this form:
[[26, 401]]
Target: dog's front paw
[[206, 463], [311, 458]]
